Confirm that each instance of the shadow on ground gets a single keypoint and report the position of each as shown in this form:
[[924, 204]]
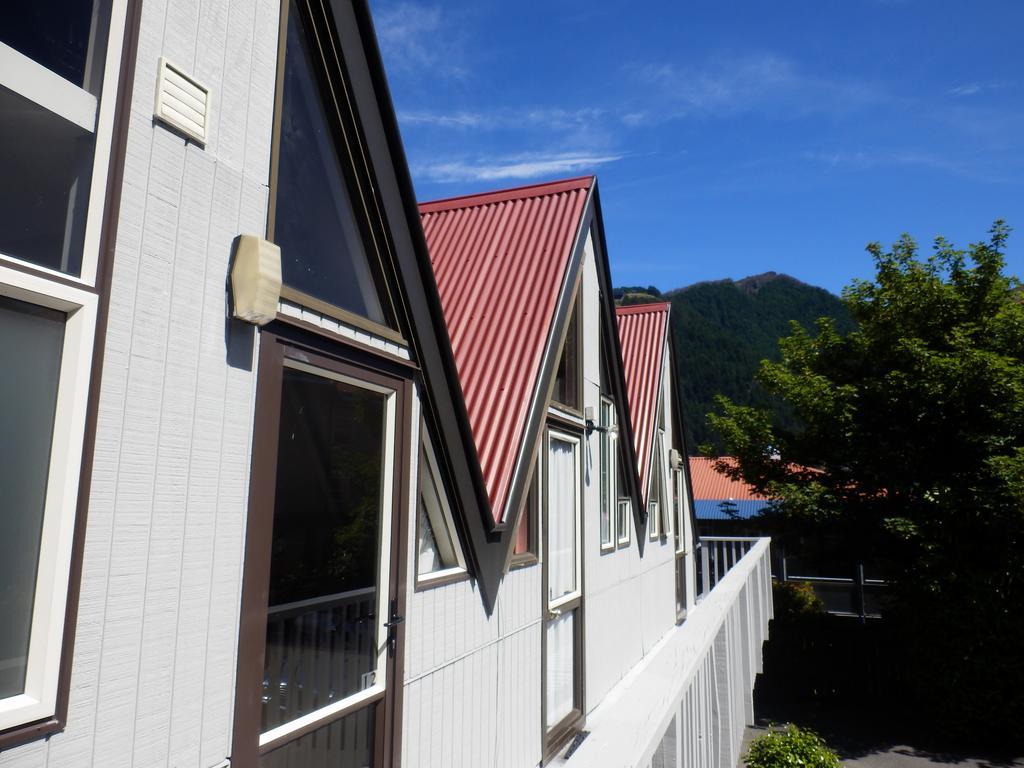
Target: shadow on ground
[[840, 683]]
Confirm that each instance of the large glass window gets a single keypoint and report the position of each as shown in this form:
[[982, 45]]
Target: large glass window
[[325, 570], [323, 255], [52, 61], [33, 336], [68, 37], [56, 116]]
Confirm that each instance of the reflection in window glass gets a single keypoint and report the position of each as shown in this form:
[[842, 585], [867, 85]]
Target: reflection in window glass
[[526, 531], [560, 666], [322, 251], [561, 524], [68, 37], [324, 569], [42, 216], [438, 543], [623, 510], [31, 341], [345, 743]]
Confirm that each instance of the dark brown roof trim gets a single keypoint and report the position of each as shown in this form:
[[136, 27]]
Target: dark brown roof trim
[[444, 408]]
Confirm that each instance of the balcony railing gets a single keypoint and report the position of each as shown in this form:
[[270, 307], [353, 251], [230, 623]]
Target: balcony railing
[[318, 651], [687, 702]]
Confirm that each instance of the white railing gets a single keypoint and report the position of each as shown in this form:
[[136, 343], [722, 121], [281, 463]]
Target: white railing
[[687, 703], [718, 554]]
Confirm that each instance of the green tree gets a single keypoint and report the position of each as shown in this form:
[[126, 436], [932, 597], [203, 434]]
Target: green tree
[[908, 441]]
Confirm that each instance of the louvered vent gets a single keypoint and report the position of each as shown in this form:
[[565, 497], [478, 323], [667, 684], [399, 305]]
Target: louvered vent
[[182, 102]]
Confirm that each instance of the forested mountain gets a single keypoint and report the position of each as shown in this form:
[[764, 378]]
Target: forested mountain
[[723, 329]]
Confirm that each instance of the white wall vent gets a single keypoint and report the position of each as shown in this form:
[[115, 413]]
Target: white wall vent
[[182, 102]]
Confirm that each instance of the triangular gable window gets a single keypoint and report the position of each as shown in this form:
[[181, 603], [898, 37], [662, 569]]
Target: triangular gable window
[[438, 552], [569, 374], [324, 259]]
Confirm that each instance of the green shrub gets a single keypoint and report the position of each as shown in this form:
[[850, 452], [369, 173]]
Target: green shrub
[[790, 747], [796, 598]]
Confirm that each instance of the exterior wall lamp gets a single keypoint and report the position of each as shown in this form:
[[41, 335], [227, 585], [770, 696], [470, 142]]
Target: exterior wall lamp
[[255, 280], [593, 427]]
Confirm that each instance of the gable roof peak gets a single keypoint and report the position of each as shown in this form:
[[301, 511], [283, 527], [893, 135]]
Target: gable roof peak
[[512, 193], [637, 309]]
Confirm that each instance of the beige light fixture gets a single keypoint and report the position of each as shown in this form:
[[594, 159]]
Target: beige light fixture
[[256, 280]]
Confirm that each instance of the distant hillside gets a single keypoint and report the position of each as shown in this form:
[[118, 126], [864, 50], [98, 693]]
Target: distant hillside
[[724, 328]]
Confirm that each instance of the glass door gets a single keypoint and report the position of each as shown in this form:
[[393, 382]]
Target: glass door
[[325, 653], [563, 593]]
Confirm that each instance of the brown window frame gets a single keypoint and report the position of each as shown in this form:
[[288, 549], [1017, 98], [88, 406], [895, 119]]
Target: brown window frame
[[531, 512], [334, 85], [281, 341], [423, 582], [109, 212], [555, 738], [577, 340]]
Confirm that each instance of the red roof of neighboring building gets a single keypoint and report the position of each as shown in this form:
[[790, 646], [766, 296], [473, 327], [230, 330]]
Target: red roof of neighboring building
[[711, 485], [642, 329], [500, 260]]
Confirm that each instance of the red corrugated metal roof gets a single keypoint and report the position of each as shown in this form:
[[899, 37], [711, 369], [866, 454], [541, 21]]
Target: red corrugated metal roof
[[500, 260], [711, 485], [642, 329]]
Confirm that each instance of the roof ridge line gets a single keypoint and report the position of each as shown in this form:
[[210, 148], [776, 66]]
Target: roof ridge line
[[650, 306], [511, 193]]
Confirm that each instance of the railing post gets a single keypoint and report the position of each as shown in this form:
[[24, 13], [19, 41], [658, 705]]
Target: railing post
[[705, 574], [859, 578]]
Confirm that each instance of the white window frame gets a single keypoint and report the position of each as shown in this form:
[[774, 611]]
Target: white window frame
[[323, 714], [666, 523], [573, 440], [608, 492], [653, 519], [33, 81], [441, 519], [682, 498], [39, 699], [622, 537]]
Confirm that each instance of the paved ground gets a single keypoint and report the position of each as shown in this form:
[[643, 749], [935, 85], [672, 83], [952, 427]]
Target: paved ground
[[861, 745]]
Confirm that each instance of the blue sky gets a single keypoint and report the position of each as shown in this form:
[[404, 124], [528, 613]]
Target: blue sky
[[729, 138]]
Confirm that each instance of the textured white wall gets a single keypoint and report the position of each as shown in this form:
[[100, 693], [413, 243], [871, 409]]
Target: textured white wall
[[154, 660], [629, 601]]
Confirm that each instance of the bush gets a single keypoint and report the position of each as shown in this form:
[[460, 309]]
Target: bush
[[796, 598], [790, 747]]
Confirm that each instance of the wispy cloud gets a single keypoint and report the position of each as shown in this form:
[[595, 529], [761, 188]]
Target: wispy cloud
[[972, 89], [870, 159], [457, 119], [418, 37], [504, 118], [764, 82], [524, 166]]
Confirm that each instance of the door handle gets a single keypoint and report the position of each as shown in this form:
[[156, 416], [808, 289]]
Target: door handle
[[391, 625]]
